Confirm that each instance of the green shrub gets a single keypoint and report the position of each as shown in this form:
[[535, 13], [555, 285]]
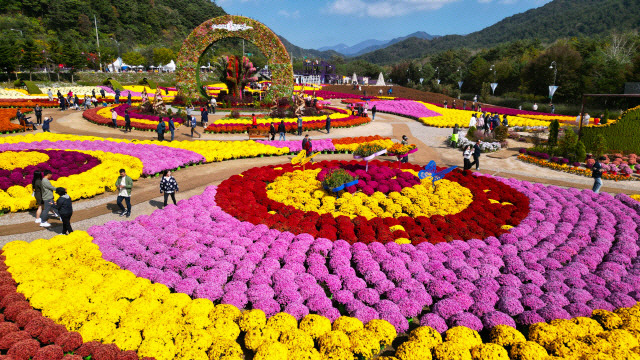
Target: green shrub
[[567, 144], [621, 135], [600, 146], [553, 133], [605, 117], [581, 152], [471, 133], [501, 133]]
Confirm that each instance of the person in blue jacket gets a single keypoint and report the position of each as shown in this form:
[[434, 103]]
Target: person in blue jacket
[[172, 127], [45, 124], [160, 129]]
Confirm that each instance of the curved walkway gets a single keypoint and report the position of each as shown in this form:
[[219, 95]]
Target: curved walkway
[[146, 197]]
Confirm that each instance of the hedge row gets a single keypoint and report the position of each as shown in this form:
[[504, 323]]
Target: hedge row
[[621, 135]]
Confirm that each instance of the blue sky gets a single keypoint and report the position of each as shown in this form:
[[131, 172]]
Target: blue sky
[[313, 24]]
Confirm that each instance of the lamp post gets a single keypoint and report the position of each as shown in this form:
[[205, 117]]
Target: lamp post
[[438, 74], [460, 82], [95, 22], [552, 88], [494, 84]]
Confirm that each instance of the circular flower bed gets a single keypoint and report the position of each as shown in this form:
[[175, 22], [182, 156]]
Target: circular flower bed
[[494, 209], [61, 163]]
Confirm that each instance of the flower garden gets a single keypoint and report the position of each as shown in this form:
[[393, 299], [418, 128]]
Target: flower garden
[[269, 265]]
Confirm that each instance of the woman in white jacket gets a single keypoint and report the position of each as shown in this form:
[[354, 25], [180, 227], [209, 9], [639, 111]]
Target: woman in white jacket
[[473, 121]]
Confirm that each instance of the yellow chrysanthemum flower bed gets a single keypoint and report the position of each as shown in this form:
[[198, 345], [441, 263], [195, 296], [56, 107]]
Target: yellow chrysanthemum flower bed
[[67, 279], [212, 150], [636, 197], [387, 143], [451, 117], [106, 113], [85, 185], [303, 191], [10, 160]]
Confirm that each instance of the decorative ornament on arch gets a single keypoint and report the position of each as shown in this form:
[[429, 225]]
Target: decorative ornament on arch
[[231, 26]]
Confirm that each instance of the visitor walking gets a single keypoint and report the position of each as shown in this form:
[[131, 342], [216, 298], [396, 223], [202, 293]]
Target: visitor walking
[[168, 186], [254, 121], [272, 131], [114, 117], [596, 173], [454, 136], [204, 117], [117, 91], [127, 121], [445, 104], [65, 209], [466, 157], [373, 112], [194, 123], [38, 111], [553, 108], [505, 121], [535, 107], [306, 145], [124, 184], [47, 197], [476, 156], [473, 122], [464, 105], [160, 129], [36, 185], [45, 124], [299, 125], [129, 98], [172, 127], [327, 124], [404, 142], [102, 94], [50, 94], [281, 130], [214, 103], [189, 112]]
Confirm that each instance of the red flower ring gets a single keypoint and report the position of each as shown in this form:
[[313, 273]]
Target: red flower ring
[[245, 198], [61, 163]]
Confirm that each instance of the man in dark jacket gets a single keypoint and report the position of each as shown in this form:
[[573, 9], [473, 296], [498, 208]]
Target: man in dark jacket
[[299, 125], [127, 121], [160, 129], [204, 114], [45, 125], [327, 124], [172, 127], [476, 155], [596, 173], [129, 98], [102, 94], [272, 131], [65, 209], [117, 96], [38, 111], [281, 130], [373, 113]]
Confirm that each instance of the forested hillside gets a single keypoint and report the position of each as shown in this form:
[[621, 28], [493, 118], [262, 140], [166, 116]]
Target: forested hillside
[[555, 20]]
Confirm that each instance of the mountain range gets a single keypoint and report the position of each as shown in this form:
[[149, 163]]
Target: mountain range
[[373, 44], [555, 20]]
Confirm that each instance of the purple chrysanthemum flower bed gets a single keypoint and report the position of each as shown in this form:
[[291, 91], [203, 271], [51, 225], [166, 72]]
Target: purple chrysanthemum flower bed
[[576, 251]]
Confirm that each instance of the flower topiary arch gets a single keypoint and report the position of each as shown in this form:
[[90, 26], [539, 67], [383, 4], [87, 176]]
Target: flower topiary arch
[[230, 26]]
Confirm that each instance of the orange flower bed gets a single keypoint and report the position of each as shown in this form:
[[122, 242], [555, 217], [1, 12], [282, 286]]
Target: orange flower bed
[[5, 120], [28, 103], [359, 139]]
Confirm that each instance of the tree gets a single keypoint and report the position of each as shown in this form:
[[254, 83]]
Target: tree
[[163, 56], [553, 133], [8, 52], [31, 56], [134, 58], [478, 74], [567, 145], [581, 151], [599, 146], [537, 75]]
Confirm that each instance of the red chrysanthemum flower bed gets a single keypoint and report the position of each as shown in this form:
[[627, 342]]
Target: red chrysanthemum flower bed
[[245, 197], [26, 334]]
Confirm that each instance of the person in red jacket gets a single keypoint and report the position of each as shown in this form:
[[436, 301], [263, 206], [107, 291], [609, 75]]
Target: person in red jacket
[[306, 145]]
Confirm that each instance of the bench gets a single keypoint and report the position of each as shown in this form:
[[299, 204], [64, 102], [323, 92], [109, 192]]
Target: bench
[[257, 134], [24, 125]]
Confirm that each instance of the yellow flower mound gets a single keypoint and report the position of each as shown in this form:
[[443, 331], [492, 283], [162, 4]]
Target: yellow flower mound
[[451, 117], [88, 184], [10, 160], [303, 191], [635, 197], [106, 113], [267, 121], [67, 279], [387, 143]]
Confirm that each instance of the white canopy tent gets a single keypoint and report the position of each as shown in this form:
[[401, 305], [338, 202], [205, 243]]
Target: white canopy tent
[[170, 67], [380, 81], [354, 79], [117, 65]]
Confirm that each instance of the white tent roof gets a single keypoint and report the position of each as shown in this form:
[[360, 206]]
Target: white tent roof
[[355, 78], [380, 81], [169, 67], [117, 65]]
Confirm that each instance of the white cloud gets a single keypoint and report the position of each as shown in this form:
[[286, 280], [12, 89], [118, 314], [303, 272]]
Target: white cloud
[[287, 14], [384, 8]]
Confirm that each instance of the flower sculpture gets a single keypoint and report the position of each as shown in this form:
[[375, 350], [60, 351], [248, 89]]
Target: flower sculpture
[[187, 73]]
